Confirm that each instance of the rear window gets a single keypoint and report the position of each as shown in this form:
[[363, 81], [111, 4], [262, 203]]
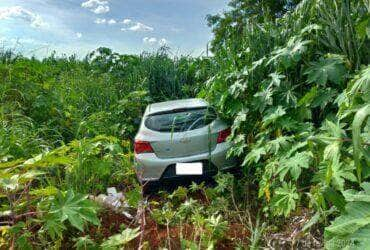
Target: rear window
[[181, 121]]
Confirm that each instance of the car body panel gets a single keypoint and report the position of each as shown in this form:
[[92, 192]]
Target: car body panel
[[151, 168], [180, 147]]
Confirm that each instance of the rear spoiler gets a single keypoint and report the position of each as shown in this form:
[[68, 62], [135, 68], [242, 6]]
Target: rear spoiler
[[177, 110]]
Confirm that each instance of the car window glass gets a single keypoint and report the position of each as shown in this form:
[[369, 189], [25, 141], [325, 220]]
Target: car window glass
[[181, 121]]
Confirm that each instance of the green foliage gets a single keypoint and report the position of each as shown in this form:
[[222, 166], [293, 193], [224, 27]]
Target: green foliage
[[294, 165], [293, 89], [75, 208], [216, 226], [134, 196], [360, 119], [96, 163], [117, 241], [84, 243], [285, 199], [326, 70], [208, 215], [21, 184], [60, 123], [352, 227], [16, 181], [289, 55]]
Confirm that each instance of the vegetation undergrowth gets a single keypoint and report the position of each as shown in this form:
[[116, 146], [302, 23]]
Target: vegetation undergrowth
[[293, 79]]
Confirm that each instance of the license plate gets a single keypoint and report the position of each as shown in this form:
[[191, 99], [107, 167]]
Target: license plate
[[194, 168]]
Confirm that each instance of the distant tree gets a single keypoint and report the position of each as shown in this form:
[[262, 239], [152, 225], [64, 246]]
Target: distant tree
[[231, 23]]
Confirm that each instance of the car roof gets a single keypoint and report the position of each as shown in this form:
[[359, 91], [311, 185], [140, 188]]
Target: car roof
[[160, 107]]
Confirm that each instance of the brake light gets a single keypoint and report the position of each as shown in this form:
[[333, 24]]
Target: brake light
[[222, 135], [141, 147]]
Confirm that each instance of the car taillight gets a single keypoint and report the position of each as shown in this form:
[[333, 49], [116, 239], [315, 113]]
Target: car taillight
[[222, 135], [142, 147]]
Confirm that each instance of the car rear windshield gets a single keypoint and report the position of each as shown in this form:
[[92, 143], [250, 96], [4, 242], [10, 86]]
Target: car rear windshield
[[180, 121]]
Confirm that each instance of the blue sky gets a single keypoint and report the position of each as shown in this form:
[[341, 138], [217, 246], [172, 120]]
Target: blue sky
[[37, 27]]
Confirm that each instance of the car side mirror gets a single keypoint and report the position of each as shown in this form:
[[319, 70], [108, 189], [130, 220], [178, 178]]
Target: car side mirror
[[137, 121]]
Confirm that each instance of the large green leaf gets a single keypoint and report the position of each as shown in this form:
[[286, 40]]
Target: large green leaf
[[294, 165], [85, 243], [307, 99], [278, 144], [263, 98], [289, 55], [354, 224], [324, 97], [352, 195], [340, 172], [358, 121], [75, 208], [119, 240], [17, 181], [318, 97], [326, 70], [53, 227], [254, 156], [285, 199], [361, 85], [335, 197], [361, 239], [357, 216], [272, 115], [276, 79], [363, 27]]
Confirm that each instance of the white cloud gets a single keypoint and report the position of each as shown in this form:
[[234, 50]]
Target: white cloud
[[154, 41], [127, 21], [141, 27], [78, 35], [150, 40], [112, 21], [105, 21], [18, 12], [100, 21], [96, 6], [101, 9], [93, 3], [123, 29], [163, 42]]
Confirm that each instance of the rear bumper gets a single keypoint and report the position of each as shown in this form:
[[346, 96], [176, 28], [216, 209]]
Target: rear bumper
[[151, 168]]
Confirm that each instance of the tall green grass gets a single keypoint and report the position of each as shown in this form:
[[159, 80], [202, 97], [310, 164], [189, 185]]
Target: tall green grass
[[65, 98]]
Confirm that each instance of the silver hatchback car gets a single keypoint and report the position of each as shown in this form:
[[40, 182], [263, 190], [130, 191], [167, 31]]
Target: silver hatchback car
[[181, 138]]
